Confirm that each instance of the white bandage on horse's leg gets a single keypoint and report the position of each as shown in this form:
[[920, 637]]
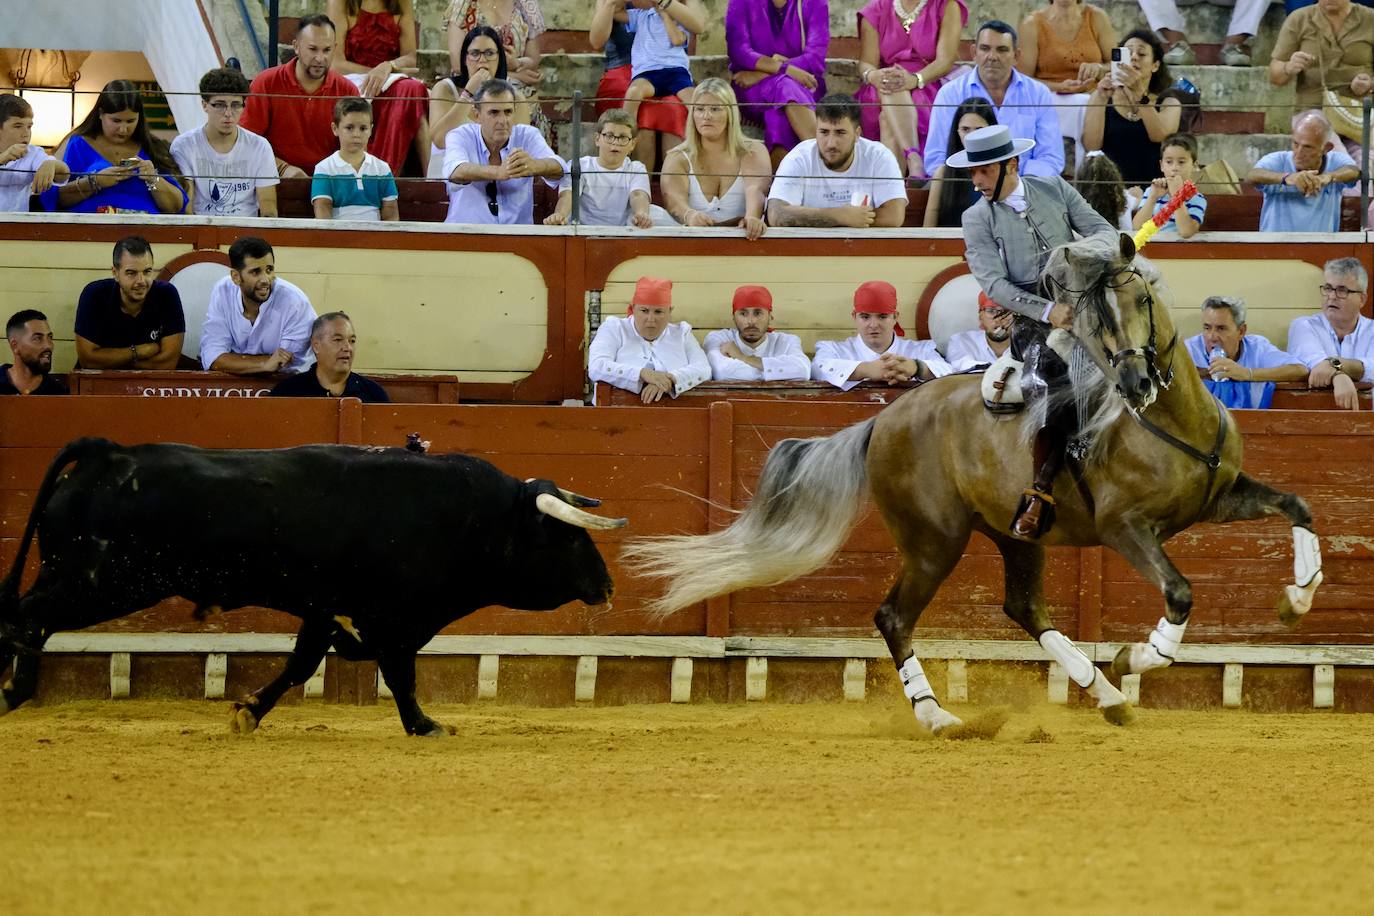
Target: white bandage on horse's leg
[[1103, 692], [1159, 652], [915, 684], [1307, 557], [1060, 648]]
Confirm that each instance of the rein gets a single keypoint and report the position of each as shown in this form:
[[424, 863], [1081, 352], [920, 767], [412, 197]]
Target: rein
[[1213, 461]]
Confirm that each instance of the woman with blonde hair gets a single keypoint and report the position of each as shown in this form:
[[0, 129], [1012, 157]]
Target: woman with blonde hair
[[717, 176]]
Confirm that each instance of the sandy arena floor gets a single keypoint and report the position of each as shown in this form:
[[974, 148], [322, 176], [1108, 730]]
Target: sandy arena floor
[[152, 807]]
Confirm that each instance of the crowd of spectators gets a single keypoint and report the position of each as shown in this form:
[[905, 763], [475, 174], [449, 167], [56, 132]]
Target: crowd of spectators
[[1061, 79]]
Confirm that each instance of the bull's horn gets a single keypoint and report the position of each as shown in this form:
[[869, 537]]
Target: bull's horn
[[576, 499], [555, 507]]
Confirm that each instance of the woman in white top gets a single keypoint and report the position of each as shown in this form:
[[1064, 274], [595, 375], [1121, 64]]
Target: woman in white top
[[717, 176]]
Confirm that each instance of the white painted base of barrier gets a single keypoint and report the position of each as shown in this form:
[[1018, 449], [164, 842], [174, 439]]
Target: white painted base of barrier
[[121, 647]]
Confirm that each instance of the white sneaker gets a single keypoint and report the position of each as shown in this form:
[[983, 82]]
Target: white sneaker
[[1235, 55], [1180, 52]]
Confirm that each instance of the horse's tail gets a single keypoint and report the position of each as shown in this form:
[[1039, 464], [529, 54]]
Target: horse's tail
[[73, 451], [808, 498]]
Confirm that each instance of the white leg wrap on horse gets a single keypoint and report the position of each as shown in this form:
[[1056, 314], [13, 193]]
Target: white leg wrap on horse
[[1103, 692], [915, 684], [1060, 648], [1159, 652], [1307, 557]]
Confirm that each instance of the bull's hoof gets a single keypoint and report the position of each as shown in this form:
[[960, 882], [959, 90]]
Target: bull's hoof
[[1119, 713], [4, 705], [431, 729], [242, 720], [1121, 664]]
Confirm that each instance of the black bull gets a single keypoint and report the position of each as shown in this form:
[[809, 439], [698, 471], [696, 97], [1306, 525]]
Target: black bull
[[375, 549]]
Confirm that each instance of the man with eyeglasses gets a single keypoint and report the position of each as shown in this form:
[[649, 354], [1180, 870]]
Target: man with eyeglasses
[[981, 346], [491, 165], [1337, 343], [231, 170]]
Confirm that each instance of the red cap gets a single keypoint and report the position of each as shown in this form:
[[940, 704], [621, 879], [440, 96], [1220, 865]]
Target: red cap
[[985, 303], [652, 291], [752, 297], [878, 297]]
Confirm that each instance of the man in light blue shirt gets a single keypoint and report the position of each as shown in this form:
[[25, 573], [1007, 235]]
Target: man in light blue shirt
[[1023, 104], [1302, 186], [1242, 367], [491, 165]]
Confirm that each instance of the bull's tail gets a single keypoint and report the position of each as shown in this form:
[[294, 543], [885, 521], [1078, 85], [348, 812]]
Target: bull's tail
[[808, 498], [72, 452]]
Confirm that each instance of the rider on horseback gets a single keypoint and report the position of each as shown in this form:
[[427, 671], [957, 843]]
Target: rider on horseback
[[1008, 241]]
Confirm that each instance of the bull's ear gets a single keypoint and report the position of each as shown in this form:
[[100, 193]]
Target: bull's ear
[[1127, 247], [568, 496]]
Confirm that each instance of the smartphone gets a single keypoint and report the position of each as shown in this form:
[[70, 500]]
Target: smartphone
[[128, 163], [1120, 56]]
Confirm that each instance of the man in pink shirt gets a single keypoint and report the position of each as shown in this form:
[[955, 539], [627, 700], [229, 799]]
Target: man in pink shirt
[[293, 105]]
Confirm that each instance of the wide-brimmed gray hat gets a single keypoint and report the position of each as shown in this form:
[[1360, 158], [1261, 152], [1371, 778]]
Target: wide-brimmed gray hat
[[987, 145]]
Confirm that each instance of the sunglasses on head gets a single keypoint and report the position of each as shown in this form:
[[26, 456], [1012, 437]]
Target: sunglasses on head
[[492, 205]]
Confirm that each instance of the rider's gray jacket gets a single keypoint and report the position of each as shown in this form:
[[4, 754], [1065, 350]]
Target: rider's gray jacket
[[1007, 250]]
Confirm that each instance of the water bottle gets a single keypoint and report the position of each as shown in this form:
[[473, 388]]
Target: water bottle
[[1212, 357]]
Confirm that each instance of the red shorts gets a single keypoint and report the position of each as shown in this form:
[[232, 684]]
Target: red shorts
[[667, 115]]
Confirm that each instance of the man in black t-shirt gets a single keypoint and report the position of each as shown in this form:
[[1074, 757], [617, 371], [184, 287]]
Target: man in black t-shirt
[[129, 321], [333, 342], [31, 342]]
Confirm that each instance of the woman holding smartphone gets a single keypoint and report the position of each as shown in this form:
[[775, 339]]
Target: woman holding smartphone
[[1127, 116], [117, 165]]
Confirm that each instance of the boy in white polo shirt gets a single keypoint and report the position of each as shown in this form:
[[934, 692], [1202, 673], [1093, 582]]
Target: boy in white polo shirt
[[614, 188], [353, 183], [25, 169]]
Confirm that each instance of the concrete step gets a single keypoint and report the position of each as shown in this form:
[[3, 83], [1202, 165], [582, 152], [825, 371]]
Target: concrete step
[[1242, 89], [1240, 150], [1205, 23]]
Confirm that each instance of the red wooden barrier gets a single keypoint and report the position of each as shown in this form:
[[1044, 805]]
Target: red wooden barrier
[[402, 389], [659, 466]]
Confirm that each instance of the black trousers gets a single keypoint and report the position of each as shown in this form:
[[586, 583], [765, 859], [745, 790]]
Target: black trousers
[[1044, 373]]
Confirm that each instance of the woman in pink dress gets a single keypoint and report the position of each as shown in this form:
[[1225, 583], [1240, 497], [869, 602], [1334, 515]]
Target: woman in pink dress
[[376, 51], [905, 49]]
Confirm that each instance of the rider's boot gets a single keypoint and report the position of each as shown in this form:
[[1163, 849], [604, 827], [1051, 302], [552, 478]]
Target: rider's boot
[[1035, 514]]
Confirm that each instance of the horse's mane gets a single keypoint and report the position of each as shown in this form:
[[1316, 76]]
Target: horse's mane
[[1085, 269]]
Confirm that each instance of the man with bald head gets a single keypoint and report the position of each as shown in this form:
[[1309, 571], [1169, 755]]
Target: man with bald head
[[1302, 186]]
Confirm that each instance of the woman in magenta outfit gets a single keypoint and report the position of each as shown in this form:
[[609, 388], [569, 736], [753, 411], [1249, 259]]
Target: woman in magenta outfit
[[376, 50], [905, 49], [777, 55]]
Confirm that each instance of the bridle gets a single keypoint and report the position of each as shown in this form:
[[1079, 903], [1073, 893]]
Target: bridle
[[1162, 380]]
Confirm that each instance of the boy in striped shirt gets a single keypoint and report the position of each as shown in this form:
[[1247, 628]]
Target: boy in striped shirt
[[353, 183]]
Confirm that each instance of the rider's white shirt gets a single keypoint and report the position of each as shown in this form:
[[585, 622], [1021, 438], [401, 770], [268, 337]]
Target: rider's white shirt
[[783, 359], [835, 359]]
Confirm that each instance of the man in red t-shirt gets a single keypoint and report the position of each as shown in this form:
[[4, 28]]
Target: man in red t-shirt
[[299, 128]]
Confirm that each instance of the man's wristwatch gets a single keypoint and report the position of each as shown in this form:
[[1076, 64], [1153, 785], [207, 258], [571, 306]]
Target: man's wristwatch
[[1335, 362], [133, 351]]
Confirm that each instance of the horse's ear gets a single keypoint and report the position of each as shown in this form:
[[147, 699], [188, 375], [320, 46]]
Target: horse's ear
[[1127, 247]]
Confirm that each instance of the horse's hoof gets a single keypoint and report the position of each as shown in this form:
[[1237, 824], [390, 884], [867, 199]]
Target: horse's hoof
[[435, 730], [1121, 664], [985, 726], [242, 721], [1119, 713], [1296, 600]]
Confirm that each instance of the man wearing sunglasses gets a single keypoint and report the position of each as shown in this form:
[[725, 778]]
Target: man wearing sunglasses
[[231, 170], [1337, 343], [491, 165], [981, 346]]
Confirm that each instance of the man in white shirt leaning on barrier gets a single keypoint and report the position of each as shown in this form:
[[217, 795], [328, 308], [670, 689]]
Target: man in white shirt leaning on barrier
[[647, 352], [752, 351]]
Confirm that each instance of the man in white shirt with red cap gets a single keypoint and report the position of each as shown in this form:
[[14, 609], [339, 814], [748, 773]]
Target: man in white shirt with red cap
[[646, 352], [880, 352], [752, 351], [982, 345]]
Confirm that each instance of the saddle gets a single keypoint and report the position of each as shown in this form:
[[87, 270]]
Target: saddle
[[1002, 385]]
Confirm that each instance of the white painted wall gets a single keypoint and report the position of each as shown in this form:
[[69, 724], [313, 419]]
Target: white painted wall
[[170, 33]]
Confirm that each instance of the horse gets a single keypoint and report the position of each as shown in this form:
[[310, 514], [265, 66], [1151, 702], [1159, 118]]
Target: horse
[[1159, 454]]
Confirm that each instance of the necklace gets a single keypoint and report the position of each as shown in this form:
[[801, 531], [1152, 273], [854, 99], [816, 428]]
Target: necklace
[[907, 19]]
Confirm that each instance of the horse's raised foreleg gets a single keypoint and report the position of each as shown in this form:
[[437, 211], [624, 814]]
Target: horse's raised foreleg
[[1249, 499], [1141, 547], [1025, 604], [895, 619]]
